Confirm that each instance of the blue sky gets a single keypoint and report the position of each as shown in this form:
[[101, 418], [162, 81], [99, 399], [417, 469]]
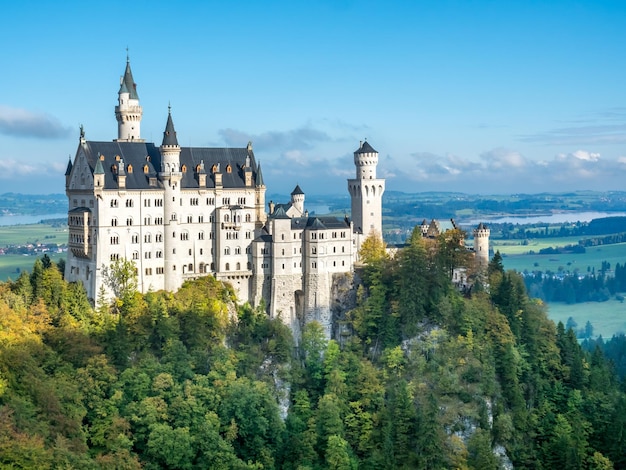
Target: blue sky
[[472, 96]]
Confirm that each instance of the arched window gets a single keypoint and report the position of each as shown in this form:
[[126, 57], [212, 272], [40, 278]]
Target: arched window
[[129, 169], [190, 267], [146, 169], [227, 267], [238, 266], [248, 217], [229, 169]]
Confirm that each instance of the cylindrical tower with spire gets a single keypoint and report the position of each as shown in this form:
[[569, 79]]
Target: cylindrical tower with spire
[[297, 199], [366, 192], [128, 112], [171, 177]]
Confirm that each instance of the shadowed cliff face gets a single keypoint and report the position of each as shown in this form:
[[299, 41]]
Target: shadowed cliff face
[[343, 299]]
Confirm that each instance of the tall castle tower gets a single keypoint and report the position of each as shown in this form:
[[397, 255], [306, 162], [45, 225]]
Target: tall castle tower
[[128, 112], [481, 244], [171, 176], [366, 192]]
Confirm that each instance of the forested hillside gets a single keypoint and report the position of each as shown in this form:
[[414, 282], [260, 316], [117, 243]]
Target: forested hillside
[[421, 377]]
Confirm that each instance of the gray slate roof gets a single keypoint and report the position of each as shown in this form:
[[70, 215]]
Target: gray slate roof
[[128, 84], [365, 148], [138, 154]]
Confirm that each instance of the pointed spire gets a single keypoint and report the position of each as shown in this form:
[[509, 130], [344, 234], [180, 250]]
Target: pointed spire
[[99, 170], [169, 136], [297, 190], [128, 85], [259, 176], [69, 166]]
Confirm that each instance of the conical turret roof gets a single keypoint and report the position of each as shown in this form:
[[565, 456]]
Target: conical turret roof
[[169, 136], [297, 190], [128, 85], [259, 176], [99, 169], [365, 148]]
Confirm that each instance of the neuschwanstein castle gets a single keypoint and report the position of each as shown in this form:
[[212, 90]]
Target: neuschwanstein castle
[[184, 212]]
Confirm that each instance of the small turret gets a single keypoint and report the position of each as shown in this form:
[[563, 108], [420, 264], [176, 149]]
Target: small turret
[[128, 112], [481, 244], [68, 172], [170, 150], [297, 199]]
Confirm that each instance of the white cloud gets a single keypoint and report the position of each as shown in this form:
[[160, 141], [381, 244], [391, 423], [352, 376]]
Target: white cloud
[[23, 123]]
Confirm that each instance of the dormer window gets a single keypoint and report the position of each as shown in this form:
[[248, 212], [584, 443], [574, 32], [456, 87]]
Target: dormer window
[[184, 169], [229, 169], [146, 169], [129, 169], [214, 169]]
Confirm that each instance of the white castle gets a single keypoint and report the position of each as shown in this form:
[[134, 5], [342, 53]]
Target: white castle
[[184, 212]]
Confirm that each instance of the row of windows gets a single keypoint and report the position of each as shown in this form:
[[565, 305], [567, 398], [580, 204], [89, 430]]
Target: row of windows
[[82, 203]]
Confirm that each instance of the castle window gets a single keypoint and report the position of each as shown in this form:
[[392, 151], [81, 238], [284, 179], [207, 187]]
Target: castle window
[[129, 203], [129, 221], [147, 238], [135, 238], [343, 249], [343, 263], [201, 236], [194, 201], [283, 252], [211, 218], [238, 250], [114, 257], [227, 267], [147, 255], [249, 250], [249, 266], [135, 255], [189, 251], [114, 222], [159, 270], [211, 235], [334, 263], [212, 266], [129, 169], [146, 221], [114, 169], [314, 264], [248, 235], [214, 169], [146, 202], [200, 219], [158, 254], [158, 202], [248, 218], [184, 169], [115, 240], [238, 266], [184, 236], [229, 169], [146, 169], [226, 218], [189, 219], [117, 158], [201, 251], [148, 271], [313, 250], [227, 250], [282, 237], [159, 237], [190, 267]]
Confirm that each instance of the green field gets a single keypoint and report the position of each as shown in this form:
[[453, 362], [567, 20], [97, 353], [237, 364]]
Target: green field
[[513, 257], [607, 318], [35, 233], [12, 264]]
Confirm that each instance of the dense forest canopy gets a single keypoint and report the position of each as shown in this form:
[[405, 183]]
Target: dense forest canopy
[[421, 376]]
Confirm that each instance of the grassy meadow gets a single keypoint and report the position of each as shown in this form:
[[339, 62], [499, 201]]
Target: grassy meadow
[[516, 256], [607, 318], [12, 264]]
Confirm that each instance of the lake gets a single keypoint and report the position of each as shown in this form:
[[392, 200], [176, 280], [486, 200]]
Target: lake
[[559, 217]]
